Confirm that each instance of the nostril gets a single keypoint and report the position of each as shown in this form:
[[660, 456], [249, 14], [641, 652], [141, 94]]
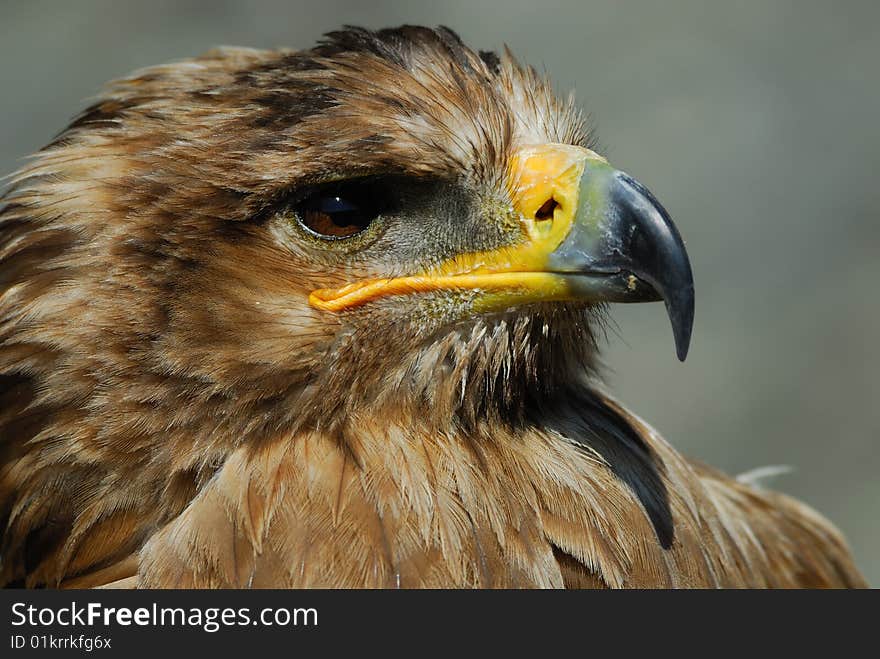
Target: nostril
[[545, 212]]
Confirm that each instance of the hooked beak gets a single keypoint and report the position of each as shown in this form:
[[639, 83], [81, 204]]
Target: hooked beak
[[591, 233], [628, 250]]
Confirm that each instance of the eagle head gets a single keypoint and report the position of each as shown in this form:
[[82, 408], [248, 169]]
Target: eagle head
[[389, 217]]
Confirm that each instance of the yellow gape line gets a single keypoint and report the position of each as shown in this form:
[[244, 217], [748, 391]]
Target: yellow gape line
[[552, 287], [544, 181]]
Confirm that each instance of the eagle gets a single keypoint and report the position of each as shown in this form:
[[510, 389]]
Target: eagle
[[332, 318]]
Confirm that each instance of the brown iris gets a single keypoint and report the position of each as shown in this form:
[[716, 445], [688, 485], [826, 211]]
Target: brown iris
[[334, 216]]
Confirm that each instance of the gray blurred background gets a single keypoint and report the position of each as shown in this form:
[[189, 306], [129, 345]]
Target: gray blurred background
[[756, 123]]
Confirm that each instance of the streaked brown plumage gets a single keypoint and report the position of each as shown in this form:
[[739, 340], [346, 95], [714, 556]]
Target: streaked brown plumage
[[174, 413]]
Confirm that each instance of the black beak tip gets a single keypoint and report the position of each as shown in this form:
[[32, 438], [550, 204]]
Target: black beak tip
[[681, 316], [658, 255]]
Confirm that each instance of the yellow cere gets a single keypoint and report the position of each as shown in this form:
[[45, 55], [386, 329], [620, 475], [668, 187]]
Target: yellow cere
[[517, 273]]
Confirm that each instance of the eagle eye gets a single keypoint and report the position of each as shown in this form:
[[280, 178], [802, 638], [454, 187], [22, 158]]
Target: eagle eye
[[340, 212]]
